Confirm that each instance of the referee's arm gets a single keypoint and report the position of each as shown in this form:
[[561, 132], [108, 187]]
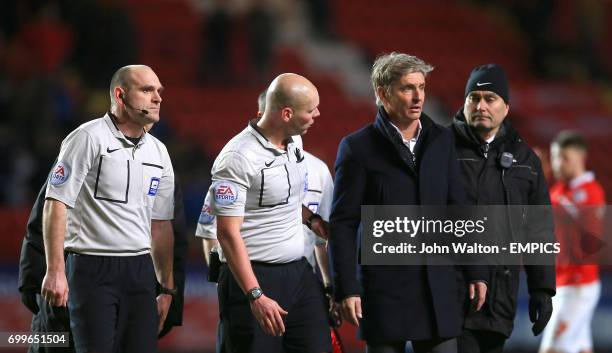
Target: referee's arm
[[162, 251], [266, 310], [55, 286]]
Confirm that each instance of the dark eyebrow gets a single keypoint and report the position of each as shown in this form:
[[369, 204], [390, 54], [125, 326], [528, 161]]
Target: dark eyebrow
[[483, 95], [412, 85], [151, 88]]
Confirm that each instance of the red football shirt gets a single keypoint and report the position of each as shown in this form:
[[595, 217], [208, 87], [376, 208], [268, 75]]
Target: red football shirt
[[579, 208]]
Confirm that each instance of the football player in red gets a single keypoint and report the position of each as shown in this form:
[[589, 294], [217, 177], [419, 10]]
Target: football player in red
[[579, 204]]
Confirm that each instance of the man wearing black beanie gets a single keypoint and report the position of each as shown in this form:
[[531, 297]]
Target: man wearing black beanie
[[482, 136]]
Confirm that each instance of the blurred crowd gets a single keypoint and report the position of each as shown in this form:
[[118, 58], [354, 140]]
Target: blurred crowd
[[56, 58]]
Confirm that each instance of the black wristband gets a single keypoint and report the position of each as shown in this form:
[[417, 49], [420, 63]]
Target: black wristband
[[312, 218], [329, 291], [169, 291]]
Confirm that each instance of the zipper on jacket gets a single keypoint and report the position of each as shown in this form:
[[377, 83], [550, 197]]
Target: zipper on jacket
[[508, 207]]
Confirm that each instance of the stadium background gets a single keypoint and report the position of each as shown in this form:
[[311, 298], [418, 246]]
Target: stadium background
[[214, 57]]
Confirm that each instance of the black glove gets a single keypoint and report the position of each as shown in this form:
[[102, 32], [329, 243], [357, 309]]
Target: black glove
[[214, 266], [540, 310], [333, 308], [29, 300]]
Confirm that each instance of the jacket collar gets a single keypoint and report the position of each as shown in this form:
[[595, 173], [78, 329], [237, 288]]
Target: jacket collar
[[383, 125], [391, 133]]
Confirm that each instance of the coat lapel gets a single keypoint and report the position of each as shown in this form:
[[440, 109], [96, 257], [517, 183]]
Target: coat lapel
[[384, 127]]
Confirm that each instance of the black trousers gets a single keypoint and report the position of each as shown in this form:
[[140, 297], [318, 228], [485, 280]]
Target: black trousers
[[477, 341], [439, 345], [294, 286], [112, 303]]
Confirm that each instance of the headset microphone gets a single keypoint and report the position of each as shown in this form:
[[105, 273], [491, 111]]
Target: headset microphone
[[143, 111]]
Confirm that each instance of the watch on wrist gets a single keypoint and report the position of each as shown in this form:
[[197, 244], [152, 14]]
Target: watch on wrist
[[169, 291], [254, 293], [311, 219]]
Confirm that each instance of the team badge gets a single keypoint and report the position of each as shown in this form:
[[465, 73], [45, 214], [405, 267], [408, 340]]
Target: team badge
[[153, 186], [205, 216], [60, 174], [226, 193], [579, 196]]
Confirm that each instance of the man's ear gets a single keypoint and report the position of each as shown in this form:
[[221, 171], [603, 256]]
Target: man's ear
[[381, 94], [286, 114], [119, 94]]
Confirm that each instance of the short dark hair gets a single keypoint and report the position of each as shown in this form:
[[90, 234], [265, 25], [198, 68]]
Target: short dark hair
[[570, 138]]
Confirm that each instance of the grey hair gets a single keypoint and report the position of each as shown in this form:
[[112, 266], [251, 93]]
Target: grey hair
[[261, 101], [389, 68]]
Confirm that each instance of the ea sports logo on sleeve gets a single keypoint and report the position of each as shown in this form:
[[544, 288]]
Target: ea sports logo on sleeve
[[226, 193], [60, 174]]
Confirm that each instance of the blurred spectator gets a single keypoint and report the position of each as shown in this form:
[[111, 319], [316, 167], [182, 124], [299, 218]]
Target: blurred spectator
[[105, 40], [320, 18], [590, 19], [13, 15], [535, 17], [262, 33], [49, 39], [217, 32]]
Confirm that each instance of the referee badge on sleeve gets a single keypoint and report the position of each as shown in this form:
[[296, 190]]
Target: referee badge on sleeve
[[153, 186], [205, 216], [226, 193], [60, 174]]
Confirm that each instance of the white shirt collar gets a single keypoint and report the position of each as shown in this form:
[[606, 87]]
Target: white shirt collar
[[584, 178], [412, 142]]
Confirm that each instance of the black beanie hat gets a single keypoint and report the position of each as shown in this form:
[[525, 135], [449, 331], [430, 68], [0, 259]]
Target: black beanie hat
[[490, 77]]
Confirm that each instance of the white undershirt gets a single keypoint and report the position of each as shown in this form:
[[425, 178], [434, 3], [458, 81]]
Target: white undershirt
[[413, 141]]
